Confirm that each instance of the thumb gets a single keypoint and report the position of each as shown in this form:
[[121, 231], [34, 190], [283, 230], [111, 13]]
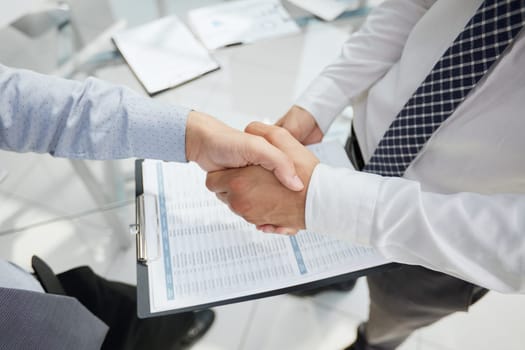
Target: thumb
[[262, 153]]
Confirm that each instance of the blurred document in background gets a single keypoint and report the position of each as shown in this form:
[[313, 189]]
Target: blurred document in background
[[164, 54], [241, 22], [327, 10]]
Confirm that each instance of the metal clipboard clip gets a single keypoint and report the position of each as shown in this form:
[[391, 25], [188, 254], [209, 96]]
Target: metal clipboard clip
[[146, 228]]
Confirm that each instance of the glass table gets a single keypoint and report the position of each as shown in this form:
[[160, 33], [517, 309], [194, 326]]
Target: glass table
[[258, 81]]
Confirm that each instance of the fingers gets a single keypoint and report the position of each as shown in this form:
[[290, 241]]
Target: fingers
[[285, 230], [292, 126], [261, 129], [302, 125], [273, 159], [304, 160], [314, 137], [224, 181], [215, 183], [276, 135], [281, 122], [230, 189], [267, 228], [256, 195], [222, 196]]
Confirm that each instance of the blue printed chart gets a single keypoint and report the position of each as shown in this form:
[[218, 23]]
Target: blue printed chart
[[207, 253]]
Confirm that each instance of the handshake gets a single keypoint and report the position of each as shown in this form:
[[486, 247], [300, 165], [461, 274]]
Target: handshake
[[262, 174]]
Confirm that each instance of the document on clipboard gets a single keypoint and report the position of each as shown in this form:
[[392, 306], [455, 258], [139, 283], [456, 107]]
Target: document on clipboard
[[193, 252], [241, 22], [164, 54]]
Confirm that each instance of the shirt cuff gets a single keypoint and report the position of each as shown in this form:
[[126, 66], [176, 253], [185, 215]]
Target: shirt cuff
[[156, 130], [341, 202], [324, 100]]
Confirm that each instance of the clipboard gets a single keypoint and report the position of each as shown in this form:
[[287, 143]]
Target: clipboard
[[145, 253]]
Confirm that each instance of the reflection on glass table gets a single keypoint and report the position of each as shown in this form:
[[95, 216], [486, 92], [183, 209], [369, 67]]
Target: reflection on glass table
[[256, 82]]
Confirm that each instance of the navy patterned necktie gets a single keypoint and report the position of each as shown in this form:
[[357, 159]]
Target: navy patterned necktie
[[472, 54]]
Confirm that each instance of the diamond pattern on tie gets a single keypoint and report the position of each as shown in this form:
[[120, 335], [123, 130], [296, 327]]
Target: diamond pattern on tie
[[472, 54]]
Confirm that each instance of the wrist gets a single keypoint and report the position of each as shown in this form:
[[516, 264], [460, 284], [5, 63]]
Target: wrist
[[301, 111], [302, 125], [195, 131]]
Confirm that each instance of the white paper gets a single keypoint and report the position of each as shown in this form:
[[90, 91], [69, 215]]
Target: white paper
[[326, 9], [241, 22], [331, 153], [208, 254], [164, 54]]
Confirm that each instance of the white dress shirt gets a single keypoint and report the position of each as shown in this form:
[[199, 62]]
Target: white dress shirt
[[460, 206]]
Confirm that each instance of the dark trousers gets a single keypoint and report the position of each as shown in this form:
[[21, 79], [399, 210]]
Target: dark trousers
[[405, 299], [409, 297], [116, 305]]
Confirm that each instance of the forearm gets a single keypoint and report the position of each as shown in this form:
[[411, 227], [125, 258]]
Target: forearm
[[365, 57], [478, 238], [90, 119]]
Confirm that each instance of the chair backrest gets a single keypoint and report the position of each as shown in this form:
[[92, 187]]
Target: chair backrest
[[49, 35]]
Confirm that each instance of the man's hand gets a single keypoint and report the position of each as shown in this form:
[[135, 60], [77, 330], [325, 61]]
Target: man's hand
[[215, 146], [257, 196], [302, 125]]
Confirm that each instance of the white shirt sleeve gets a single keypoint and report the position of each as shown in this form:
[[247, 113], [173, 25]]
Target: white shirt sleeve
[[475, 237], [365, 57]]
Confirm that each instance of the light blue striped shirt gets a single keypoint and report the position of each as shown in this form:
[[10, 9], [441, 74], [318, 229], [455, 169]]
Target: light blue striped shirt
[[90, 120]]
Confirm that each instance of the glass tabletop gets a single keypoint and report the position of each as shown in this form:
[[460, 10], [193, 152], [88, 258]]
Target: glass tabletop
[[258, 81]]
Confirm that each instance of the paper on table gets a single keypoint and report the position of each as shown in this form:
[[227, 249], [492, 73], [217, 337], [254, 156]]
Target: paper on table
[[208, 254], [164, 54], [331, 153], [241, 22], [326, 9]]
